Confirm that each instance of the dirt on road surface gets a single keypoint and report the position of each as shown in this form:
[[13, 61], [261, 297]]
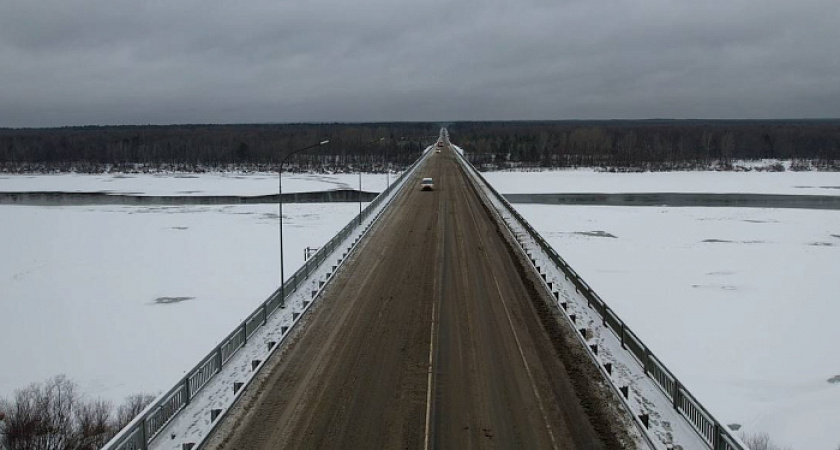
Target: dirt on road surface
[[433, 336]]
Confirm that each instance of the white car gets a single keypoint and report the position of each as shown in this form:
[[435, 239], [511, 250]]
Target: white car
[[427, 185]]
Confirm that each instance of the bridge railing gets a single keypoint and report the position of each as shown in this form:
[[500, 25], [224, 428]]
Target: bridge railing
[[715, 435], [148, 424]]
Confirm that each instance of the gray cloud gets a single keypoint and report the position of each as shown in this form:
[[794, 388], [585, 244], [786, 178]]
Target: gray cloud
[[70, 62]]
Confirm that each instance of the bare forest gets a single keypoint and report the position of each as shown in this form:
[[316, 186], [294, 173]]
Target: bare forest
[[611, 145]]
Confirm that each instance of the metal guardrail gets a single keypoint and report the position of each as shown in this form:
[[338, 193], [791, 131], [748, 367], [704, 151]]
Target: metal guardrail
[[715, 435], [148, 424]]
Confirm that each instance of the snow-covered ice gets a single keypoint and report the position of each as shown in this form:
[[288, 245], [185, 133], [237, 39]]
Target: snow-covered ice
[[740, 303], [84, 290], [588, 180], [189, 184], [106, 292]]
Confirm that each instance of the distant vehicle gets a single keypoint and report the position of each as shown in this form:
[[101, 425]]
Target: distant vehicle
[[427, 185], [439, 144], [437, 151]]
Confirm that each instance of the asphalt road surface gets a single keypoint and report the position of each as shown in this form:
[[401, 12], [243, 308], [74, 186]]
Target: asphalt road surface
[[429, 338]]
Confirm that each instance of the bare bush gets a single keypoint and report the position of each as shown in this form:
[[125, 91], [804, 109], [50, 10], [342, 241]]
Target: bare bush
[[132, 406], [41, 415], [94, 425], [760, 441], [53, 415]]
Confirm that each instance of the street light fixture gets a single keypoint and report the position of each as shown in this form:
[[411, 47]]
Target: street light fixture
[[280, 205]]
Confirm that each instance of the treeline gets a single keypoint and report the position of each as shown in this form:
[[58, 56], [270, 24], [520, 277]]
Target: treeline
[[616, 145], [213, 147], [55, 415], [648, 144]]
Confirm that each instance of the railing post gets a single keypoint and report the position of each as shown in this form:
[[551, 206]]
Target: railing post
[[144, 443], [219, 357], [623, 345], [187, 389], [677, 394]]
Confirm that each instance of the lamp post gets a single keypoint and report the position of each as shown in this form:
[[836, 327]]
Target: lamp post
[[280, 207]]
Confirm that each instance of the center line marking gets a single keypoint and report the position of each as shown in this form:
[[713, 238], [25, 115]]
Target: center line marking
[[432, 330]]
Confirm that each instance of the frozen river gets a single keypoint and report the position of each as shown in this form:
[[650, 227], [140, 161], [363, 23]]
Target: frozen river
[[739, 302]]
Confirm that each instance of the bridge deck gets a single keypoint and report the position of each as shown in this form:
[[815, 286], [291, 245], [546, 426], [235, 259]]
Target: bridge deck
[[430, 338]]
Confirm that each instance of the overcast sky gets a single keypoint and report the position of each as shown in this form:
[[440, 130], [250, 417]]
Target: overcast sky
[[76, 62]]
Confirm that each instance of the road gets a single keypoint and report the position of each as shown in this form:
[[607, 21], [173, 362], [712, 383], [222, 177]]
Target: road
[[429, 338]]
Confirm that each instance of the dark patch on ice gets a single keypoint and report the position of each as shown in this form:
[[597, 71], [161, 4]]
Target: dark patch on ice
[[724, 241], [596, 233], [721, 273], [163, 210], [189, 192], [760, 221], [185, 176], [830, 187], [180, 228], [723, 287], [834, 380], [683, 199], [120, 176], [734, 426], [171, 300], [821, 244], [836, 235], [108, 197]]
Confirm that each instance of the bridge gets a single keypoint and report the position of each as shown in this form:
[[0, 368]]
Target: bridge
[[435, 319]]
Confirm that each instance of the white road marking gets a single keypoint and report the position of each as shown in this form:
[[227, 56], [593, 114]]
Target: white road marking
[[518, 344]]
